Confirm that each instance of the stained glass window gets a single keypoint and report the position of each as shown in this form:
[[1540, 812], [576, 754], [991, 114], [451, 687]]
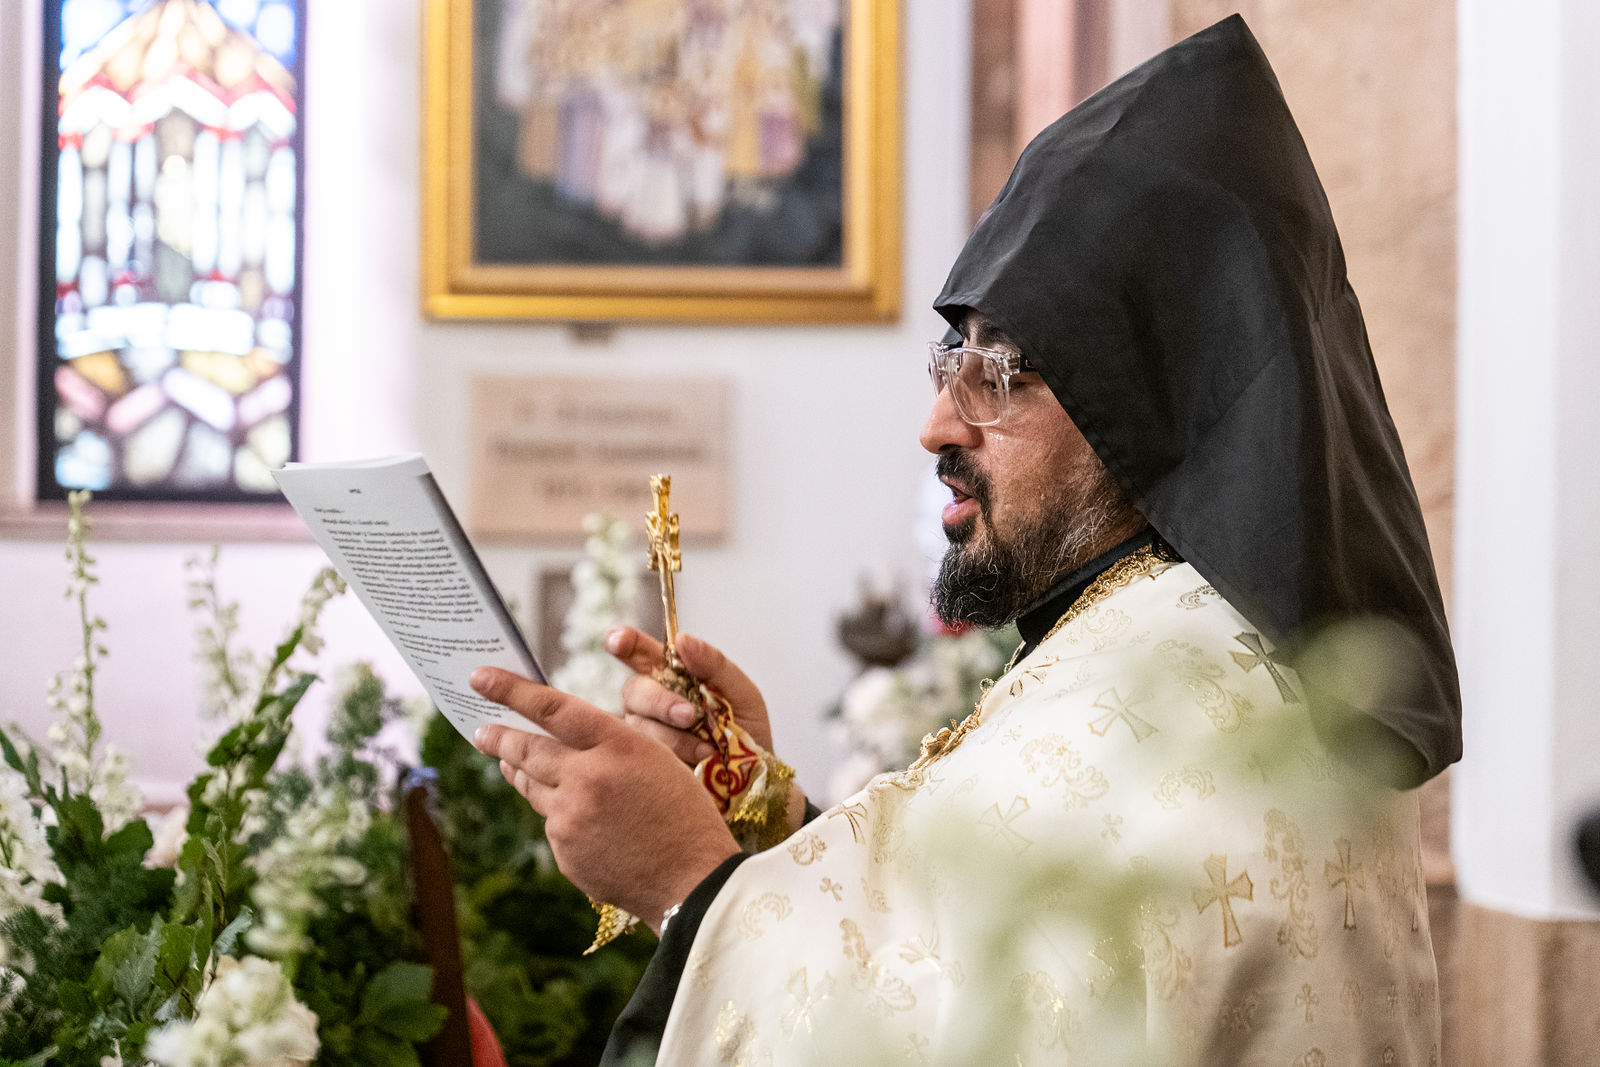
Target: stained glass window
[[170, 241]]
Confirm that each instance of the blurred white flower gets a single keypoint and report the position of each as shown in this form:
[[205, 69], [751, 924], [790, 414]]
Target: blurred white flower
[[118, 799], [246, 1017], [606, 591], [26, 863], [885, 712], [300, 862], [170, 832]]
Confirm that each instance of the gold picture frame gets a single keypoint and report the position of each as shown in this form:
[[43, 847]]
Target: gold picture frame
[[854, 274]]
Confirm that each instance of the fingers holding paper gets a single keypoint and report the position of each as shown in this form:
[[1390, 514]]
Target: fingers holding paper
[[625, 821]]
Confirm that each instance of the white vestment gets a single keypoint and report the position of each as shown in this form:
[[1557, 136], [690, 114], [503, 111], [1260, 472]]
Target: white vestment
[[1140, 854]]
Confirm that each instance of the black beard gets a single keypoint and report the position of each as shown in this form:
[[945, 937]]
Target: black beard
[[986, 580]]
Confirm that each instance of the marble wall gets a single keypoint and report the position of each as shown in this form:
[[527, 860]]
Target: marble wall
[[1372, 84]]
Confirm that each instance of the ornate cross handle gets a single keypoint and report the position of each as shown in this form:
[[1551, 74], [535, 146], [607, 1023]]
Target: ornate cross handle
[[666, 558]]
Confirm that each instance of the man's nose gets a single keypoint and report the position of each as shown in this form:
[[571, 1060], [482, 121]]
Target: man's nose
[[945, 427]]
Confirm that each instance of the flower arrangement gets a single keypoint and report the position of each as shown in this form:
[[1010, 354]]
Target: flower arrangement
[[275, 927], [913, 682]]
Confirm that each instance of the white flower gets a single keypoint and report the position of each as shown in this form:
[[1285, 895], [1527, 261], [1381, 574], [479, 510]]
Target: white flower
[[246, 1017], [299, 863], [118, 799], [606, 589], [26, 863], [170, 832], [886, 711]]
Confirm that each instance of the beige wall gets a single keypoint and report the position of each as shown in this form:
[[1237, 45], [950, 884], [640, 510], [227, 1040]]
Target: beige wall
[[1372, 84]]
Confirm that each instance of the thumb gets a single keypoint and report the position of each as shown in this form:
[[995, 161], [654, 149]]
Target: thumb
[[707, 662]]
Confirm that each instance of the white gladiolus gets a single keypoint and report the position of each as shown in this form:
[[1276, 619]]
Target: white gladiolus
[[300, 862], [118, 799], [26, 864], [73, 738], [606, 591], [246, 1017]]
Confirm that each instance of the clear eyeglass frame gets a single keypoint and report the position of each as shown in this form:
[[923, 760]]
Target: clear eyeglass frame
[[979, 379]]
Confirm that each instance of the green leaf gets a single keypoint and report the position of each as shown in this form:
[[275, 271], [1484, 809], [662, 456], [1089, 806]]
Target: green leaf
[[126, 968], [396, 1002], [395, 984], [415, 1022], [226, 750], [133, 841], [383, 1050], [179, 958], [75, 999], [281, 654], [78, 836], [29, 768], [231, 933]]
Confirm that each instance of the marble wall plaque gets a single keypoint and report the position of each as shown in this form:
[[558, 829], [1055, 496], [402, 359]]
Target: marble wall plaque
[[547, 450]]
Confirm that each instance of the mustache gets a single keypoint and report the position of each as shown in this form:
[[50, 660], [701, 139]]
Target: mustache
[[958, 465]]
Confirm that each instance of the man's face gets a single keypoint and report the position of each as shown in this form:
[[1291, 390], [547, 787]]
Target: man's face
[[1030, 500]]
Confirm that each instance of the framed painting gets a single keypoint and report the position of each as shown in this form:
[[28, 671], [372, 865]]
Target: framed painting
[[689, 160]]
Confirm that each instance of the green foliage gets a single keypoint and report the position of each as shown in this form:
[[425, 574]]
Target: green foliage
[[377, 1020], [524, 927], [114, 950], [216, 877], [363, 974]]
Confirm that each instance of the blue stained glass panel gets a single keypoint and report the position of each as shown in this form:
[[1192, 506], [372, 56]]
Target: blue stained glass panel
[[274, 24]]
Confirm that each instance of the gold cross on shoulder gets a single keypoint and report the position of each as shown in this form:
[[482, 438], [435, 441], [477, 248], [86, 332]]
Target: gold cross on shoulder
[[661, 526]]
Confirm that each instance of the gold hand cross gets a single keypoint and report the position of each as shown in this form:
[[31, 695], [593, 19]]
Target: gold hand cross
[[665, 557]]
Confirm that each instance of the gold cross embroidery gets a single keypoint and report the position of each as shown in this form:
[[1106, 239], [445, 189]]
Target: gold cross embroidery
[[1116, 708], [857, 814], [1219, 892], [1034, 671], [1258, 656], [1347, 874], [1308, 999], [830, 886], [1001, 823], [805, 998]]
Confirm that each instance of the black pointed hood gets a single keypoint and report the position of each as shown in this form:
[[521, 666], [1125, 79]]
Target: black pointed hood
[[1166, 255]]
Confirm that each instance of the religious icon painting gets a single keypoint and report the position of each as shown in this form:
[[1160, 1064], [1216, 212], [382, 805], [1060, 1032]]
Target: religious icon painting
[[689, 160], [169, 268]]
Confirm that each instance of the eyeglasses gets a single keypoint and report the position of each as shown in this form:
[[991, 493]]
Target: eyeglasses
[[979, 379]]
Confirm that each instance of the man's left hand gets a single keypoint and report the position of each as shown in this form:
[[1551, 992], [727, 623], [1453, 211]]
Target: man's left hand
[[627, 822]]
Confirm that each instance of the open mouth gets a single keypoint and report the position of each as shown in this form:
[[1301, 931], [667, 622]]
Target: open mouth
[[969, 492], [962, 506]]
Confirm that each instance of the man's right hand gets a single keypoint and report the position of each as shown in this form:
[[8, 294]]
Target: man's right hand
[[656, 710]]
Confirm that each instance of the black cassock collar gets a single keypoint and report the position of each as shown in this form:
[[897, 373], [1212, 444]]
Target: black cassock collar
[[1045, 612]]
